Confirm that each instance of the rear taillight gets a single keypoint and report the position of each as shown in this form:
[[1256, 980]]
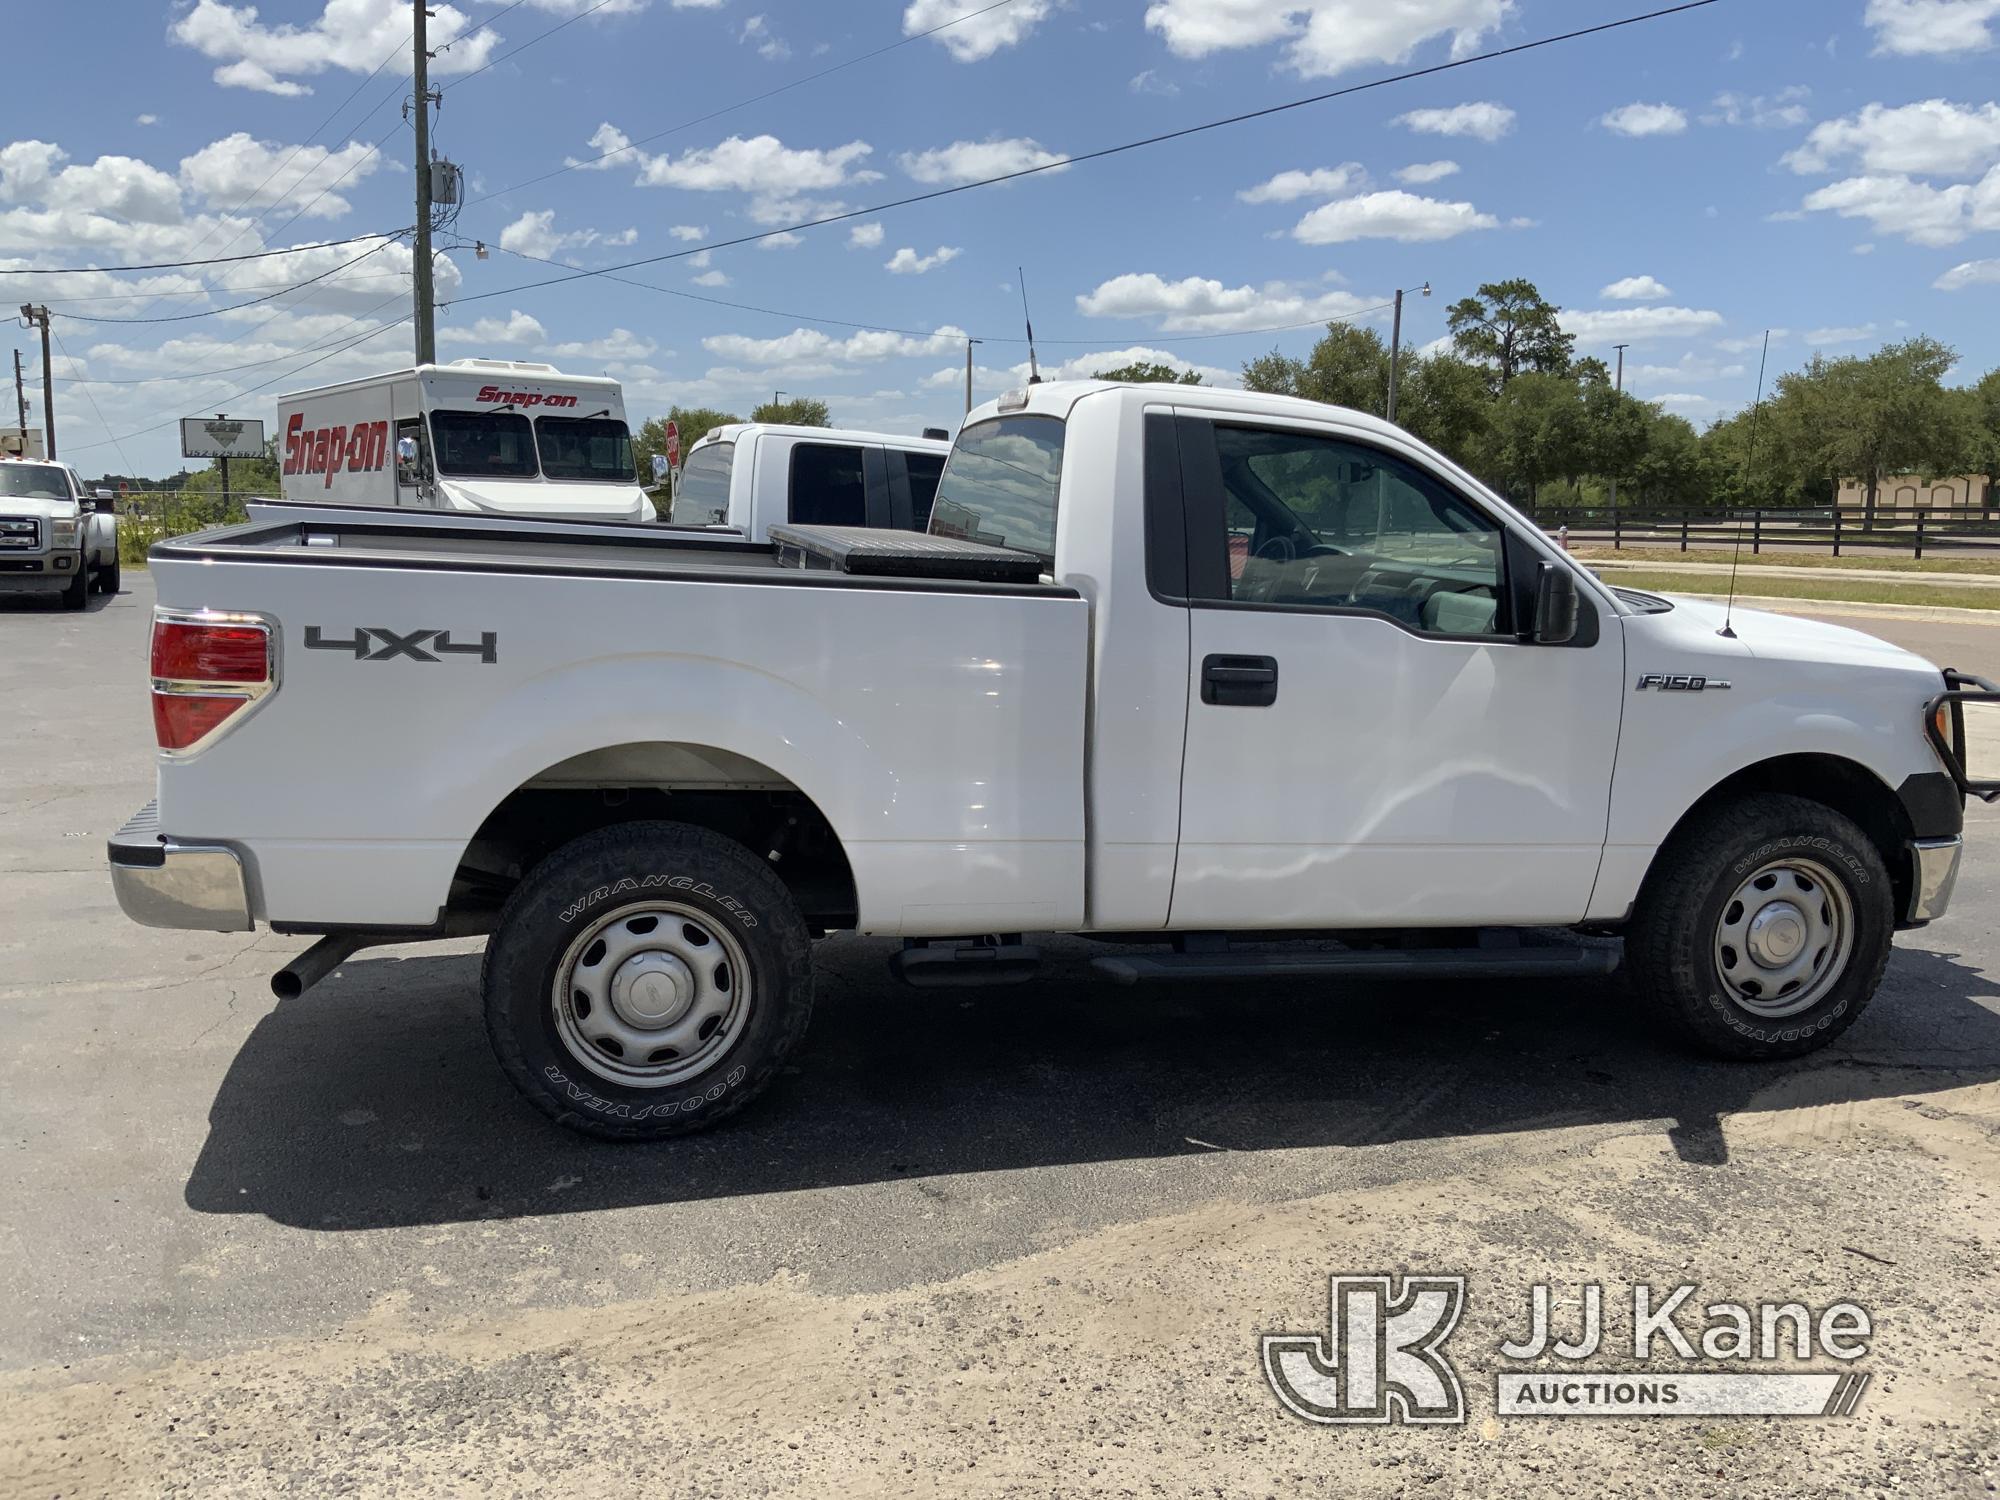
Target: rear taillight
[[209, 668]]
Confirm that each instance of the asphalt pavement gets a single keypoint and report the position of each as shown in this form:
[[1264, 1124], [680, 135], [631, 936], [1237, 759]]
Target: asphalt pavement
[[210, 1190]]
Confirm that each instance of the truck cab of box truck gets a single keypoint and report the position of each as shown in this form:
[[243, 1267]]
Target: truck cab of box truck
[[507, 437], [749, 476]]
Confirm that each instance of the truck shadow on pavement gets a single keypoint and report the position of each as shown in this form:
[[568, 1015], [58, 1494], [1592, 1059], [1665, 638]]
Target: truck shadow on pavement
[[373, 1101]]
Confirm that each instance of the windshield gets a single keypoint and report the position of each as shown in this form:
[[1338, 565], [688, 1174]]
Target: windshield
[[703, 496], [999, 485], [585, 448], [483, 444], [33, 482]]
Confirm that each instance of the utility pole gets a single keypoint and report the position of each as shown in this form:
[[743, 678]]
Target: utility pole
[[21, 400], [222, 465], [38, 317], [968, 374], [421, 255], [1619, 387], [1396, 346]]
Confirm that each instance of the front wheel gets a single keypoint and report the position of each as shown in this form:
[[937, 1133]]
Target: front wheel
[[647, 980], [1764, 928], [76, 593], [107, 576]]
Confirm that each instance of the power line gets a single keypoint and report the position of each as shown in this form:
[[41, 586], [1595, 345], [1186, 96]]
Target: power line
[[925, 333], [543, 36], [122, 458], [1108, 151], [253, 364], [215, 260], [261, 286], [740, 103], [212, 312]]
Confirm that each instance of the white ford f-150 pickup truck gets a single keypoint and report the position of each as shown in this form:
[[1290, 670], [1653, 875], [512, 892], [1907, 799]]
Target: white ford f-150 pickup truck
[[749, 476], [1191, 670], [56, 535]]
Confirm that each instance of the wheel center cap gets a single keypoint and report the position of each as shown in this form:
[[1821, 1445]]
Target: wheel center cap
[[652, 990], [1777, 933]]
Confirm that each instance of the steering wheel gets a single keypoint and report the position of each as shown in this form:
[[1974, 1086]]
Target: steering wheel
[[1325, 549], [1277, 549]]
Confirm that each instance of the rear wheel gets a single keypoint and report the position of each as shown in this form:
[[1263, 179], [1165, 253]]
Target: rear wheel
[[647, 980], [107, 576], [1764, 928]]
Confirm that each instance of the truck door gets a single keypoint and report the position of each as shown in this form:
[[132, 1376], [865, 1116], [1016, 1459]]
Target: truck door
[[1369, 741]]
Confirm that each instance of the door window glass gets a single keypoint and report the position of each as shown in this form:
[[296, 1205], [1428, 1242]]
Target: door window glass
[[924, 470], [701, 497], [1320, 522], [827, 487]]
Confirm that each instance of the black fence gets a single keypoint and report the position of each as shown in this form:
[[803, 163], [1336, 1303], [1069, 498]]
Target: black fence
[[1911, 533]]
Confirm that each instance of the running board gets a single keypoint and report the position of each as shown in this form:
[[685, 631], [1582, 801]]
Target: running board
[[991, 960], [1363, 963]]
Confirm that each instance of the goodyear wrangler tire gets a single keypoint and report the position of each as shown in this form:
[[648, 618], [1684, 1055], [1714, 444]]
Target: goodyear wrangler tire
[[1764, 928], [647, 980]]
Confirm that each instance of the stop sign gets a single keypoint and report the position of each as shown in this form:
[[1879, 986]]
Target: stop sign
[[673, 442]]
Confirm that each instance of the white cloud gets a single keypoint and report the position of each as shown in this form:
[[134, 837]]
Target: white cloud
[[117, 187], [1635, 289], [1932, 28], [1683, 401], [813, 348], [770, 46], [1689, 367], [864, 236], [1855, 334], [516, 328], [970, 161], [1751, 343], [1200, 304], [1645, 119], [27, 167], [689, 233], [1637, 324], [1421, 172], [146, 120], [711, 278], [1783, 110], [1389, 215], [700, 259], [1321, 182], [1866, 249], [239, 170], [1934, 137], [1918, 211], [105, 294], [535, 233], [1483, 121], [762, 165], [611, 143], [906, 261], [619, 344], [784, 239], [351, 35], [1324, 37], [1150, 82], [980, 36], [1968, 273]]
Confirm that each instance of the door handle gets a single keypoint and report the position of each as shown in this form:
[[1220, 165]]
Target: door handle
[[1239, 681]]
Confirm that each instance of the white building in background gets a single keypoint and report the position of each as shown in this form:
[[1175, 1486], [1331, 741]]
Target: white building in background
[[1909, 492]]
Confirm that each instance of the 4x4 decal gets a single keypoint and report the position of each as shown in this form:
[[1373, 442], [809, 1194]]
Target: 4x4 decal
[[375, 643]]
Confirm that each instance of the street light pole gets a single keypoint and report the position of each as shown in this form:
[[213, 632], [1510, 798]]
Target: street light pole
[[968, 374], [1619, 387], [1396, 346]]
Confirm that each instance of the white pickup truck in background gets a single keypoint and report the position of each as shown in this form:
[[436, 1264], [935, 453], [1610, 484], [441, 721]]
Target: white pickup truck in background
[[1194, 671], [484, 436], [57, 536], [749, 476]]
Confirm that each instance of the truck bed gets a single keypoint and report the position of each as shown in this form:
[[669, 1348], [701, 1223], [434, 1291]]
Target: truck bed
[[356, 537]]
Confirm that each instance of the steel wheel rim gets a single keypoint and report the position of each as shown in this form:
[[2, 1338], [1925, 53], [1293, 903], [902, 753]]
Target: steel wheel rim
[[650, 995], [1784, 938]]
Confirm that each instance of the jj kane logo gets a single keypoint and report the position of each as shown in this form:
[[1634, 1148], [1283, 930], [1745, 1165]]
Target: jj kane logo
[[1382, 1358]]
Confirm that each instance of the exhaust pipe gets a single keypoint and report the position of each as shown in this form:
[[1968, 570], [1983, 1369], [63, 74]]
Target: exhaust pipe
[[313, 965]]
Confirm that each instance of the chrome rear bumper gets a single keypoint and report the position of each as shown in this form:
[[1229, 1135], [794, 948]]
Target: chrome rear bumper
[[163, 883], [1934, 862]]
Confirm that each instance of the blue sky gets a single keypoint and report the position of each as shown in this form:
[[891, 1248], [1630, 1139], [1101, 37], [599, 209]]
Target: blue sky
[[1826, 168]]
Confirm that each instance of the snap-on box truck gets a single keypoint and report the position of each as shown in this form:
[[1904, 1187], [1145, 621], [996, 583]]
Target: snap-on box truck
[[512, 437]]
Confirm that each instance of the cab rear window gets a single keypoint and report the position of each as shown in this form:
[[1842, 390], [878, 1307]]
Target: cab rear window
[[999, 485], [702, 497]]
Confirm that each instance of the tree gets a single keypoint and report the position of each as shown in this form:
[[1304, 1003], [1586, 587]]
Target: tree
[[693, 422], [800, 411], [1143, 372], [1512, 327], [247, 476], [1349, 366], [1986, 430], [1445, 401], [1538, 428]]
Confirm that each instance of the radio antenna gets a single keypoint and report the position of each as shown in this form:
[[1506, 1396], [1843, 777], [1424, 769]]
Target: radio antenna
[[1034, 370], [1749, 457]]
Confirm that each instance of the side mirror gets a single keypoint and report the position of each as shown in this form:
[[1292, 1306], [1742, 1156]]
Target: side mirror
[[1556, 604], [406, 450], [104, 494]]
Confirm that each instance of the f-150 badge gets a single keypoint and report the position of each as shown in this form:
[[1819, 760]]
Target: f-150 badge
[[1679, 682], [375, 643]]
